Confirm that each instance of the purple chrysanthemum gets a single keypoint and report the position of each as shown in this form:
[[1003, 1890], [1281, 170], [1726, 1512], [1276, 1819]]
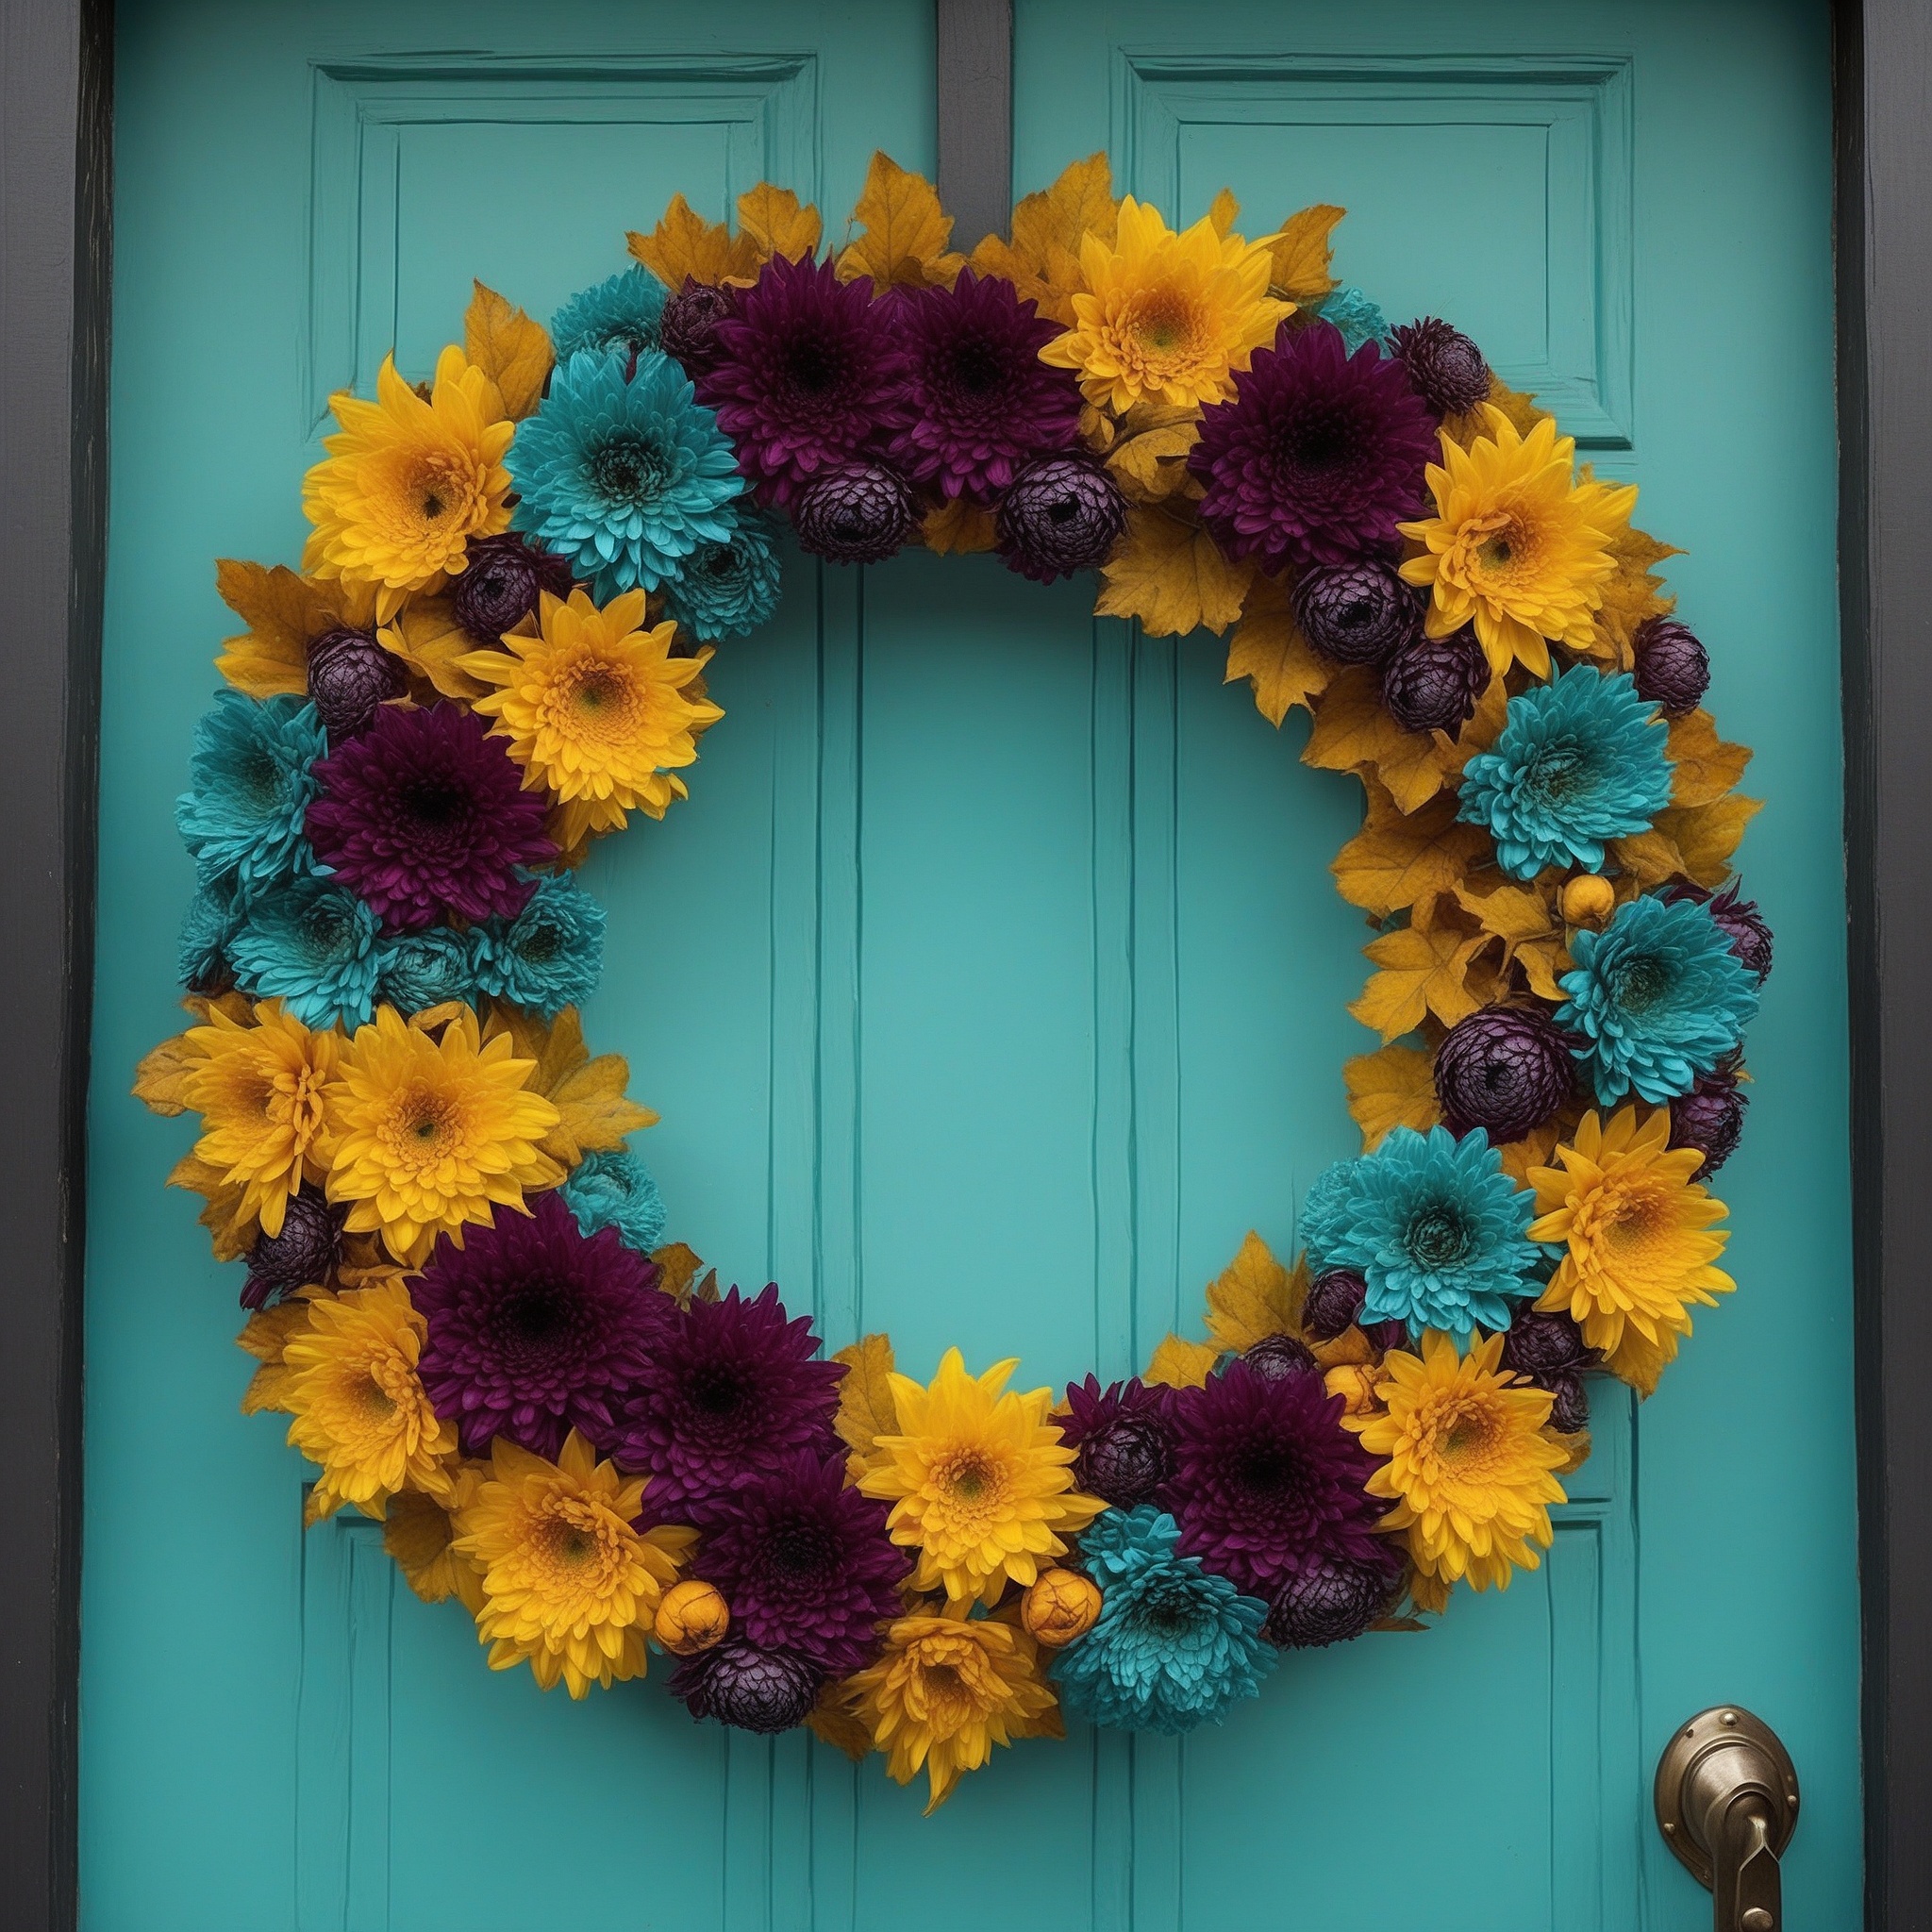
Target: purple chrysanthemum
[[1124, 1440], [983, 403], [737, 1683], [1445, 368], [1318, 456], [1267, 1482], [805, 1562], [536, 1329], [426, 814], [733, 1388], [809, 374]]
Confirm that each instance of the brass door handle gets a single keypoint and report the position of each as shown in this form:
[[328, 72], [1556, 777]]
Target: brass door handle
[[1727, 1803]]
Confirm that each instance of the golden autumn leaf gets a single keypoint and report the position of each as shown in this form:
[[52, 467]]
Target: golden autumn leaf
[[588, 1093], [1254, 1296], [866, 1407], [511, 348], [902, 231], [1707, 835], [427, 638], [231, 1228], [1168, 572], [1223, 212], [283, 611], [956, 527], [1042, 261], [1399, 857], [1704, 767], [1394, 1086], [833, 1721], [1149, 455], [684, 243], [778, 223], [162, 1077], [1513, 913], [1353, 732], [1639, 1362], [1537, 1148], [1269, 650], [266, 1337], [1650, 858], [1300, 254], [1632, 593], [1178, 1363], [1422, 972], [677, 1266]]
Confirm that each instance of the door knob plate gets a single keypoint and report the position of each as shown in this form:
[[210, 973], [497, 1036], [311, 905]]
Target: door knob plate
[[1722, 1727]]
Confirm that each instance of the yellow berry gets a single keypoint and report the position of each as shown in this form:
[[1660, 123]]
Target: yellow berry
[[1355, 1384], [1589, 899], [1062, 1606], [692, 1617]]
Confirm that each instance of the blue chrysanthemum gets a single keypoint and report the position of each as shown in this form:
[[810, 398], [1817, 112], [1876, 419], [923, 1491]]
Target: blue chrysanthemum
[[312, 944], [1174, 1647], [727, 590], [615, 1189], [1658, 997], [1434, 1227], [624, 479], [1578, 760], [243, 816], [206, 927], [418, 970], [550, 956], [616, 318], [1358, 318]]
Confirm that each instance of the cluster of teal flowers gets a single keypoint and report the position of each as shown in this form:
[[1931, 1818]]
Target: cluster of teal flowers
[[614, 1188], [244, 814], [621, 317]]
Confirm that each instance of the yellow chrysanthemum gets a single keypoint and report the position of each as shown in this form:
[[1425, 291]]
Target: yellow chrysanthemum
[[1517, 546], [945, 1690], [1636, 1230], [569, 1580], [419, 1532], [427, 1135], [406, 483], [258, 1090], [360, 1411], [1164, 317], [1467, 1461], [595, 710], [980, 1482]]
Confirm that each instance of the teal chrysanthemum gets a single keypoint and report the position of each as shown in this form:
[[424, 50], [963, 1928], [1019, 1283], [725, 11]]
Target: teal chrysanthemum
[[1578, 760], [550, 956], [614, 1188], [624, 480], [1358, 318], [1175, 1646], [1658, 997], [206, 927], [313, 945], [620, 318], [242, 817], [419, 970], [1432, 1224], [728, 590]]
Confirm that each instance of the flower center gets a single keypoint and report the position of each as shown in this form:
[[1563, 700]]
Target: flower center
[[814, 364], [1162, 325], [979, 368], [1438, 1236], [1266, 1468], [970, 1478], [716, 1388], [376, 1399], [628, 470], [800, 1549], [1556, 773], [433, 800], [1639, 982]]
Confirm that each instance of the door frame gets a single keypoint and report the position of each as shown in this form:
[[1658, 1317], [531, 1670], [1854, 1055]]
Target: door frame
[[56, 174]]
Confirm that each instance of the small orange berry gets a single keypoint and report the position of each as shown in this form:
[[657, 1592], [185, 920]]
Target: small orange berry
[[1062, 1606], [1589, 899], [691, 1616]]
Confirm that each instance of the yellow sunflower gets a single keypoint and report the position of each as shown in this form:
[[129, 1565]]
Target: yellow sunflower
[[427, 1135], [1637, 1234], [980, 1482], [569, 1580], [360, 1411], [1468, 1464], [1517, 546], [595, 710], [945, 1690], [406, 483], [1164, 317], [259, 1089]]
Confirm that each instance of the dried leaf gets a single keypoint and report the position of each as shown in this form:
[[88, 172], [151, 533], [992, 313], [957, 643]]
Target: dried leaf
[[1269, 650], [160, 1080], [677, 1267], [266, 1337], [1631, 594], [1421, 972], [1252, 1297], [1707, 835], [1223, 212], [684, 243], [1397, 858], [1537, 1148], [1042, 261], [587, 1093], [778, 223], [426, 637], [1513, 913], [1300, 254], [283, 611], [1704, 767], [1639, 1362], [1149, 459], [901, 232], [706, 1291], [1181, 1364], [1169, 572], [834, 1721], [1650, 858], [1353, 732], [231, 1228], [956, 527], [867, 1408], [1577, 1452], [509, 349], [1394, 1087]]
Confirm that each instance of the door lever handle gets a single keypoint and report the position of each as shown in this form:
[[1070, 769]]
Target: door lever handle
[[1726, 1803]]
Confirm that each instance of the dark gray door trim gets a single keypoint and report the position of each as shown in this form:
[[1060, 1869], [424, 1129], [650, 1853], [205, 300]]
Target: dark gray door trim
[[55, 123]]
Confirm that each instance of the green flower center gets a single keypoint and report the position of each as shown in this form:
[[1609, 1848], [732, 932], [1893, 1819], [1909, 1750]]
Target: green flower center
[[1438, 1236], [1639, 982], [629, 471]]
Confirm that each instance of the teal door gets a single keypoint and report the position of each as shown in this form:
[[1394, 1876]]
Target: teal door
[[991, 983]]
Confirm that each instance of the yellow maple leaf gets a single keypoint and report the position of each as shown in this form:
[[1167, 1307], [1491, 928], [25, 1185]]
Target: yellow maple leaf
[[1649, 857], [1169, 572], [902, 231], [427, 638], [1178, 1363], [1707, 835], [1513, 913], [511, 348], [834, 1721], [1223, 212], [685, 244], [677, 1266], [1269, 650], [1422, 972], [1254, 1296], [1394, 1086], [231, 1227], [1042, 261], [1704, 767], [283, 611], [1354, 732], [1300, 253], [587, 1093], [956, 527], [1537, 1148], [266, 1337], [1631, 594], [1399, 857], [778, 223], [1149, 455], [866, 1407]]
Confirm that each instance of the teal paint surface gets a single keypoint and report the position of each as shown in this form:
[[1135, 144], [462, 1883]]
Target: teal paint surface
[[991, 982]]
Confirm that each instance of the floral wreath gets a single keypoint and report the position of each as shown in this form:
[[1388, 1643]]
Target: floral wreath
[[495, 652]]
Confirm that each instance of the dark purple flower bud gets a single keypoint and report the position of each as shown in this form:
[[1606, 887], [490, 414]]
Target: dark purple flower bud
[[1386, 1334], [765, 1690], [858, 514], [1444, 366], [1431, 683], [1330, 1602], [687, 330], [1673, 668], [1570, 1411], [1061, 515], [498, 586], [1124, 1438], [302, 1256], [1545, 1342], [350, 675], [1709, 1118], [1505, 1069], [1276, 1357], [1335, 1299], [1356, 613]]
